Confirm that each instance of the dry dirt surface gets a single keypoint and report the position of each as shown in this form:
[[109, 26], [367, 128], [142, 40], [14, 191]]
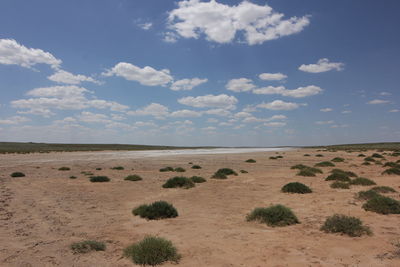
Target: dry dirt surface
[[43, 213]]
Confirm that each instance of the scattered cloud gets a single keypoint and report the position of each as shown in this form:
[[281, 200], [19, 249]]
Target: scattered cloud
[[346, 111], [385, 93], [339, 126], [326, 109], [323, 65], [154, 109], [187, 84], [272, 76], [14, 120], [146, 26], [279, 105], [275, 124], [377, 102], [220, 23], [324, 122], [296, 93], [185, 113], [90, 117], [62, 76], [222, 101], [394, 110], [240, 85]]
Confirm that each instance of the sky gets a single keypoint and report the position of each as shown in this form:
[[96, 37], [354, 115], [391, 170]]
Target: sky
[[199, 73]]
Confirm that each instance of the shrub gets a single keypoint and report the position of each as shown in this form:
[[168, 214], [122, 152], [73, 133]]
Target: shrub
[[277, 215], [362, 181], [219, 176], [383, 189], [179, 181], [251, 161], [296, 187], [319, 155], [376, 155], [347, 225], [273, 157], [197, 179], [133, 178], [98, 169], [382, 205], [279, 157], [306, 172], [72, 177], [196, 167], [306, 155], [367, 195], [338, 177], [325, 164], [340, 185], [64, 169], [156, 210], [337, 159], [348, 173], [179, 169], [99, 179], [392, 165], [392, 171], [17, 174], [370, 159], [119, 168], [86, 173], [167, 169], [243, 171], [299, 167], [87, 246], [366, 163], [226, 171], [152, 251], [361, 155], [378, 162]]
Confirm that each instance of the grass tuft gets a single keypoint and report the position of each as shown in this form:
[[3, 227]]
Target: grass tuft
[[348, 173], [383, 189], [167, 169], [243, 171], [64, 169], [17, 174], [338, 159], [277, 215], [87, 246], [119, 168], [390, 171], [223, 173], [338, 177], [155, 211], [382, 205], [179, 181], [340, 185], [296, 187], [197, 179], [251, 161], [133, 178], [347, 225], [196, 167], [362, 181], [377, 155], [72, 177], [99, 179], [325, 164]]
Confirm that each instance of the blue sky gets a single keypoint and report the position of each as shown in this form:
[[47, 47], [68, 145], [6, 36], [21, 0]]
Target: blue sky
[[230, 73]]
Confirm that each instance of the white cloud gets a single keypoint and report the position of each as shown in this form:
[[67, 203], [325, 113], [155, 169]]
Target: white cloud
[[272, 76], [279, 105], [322, 65], [154, 109], [277, 117], [90, 117], [218, 112], [14, 120], [377, 102], [170, 37], [220, 23], [185, 113], [251, 119], [70, 91], [13, 53], [339, 126], [145, 124], [346, 111], [275, 124], [146, 26], [394, 110], [187, 84], [385, 94], [324, 122], [145, 76], [212, 120], [242, 114], [44, 112], [240, 85], [210, 101], [62, 76], [297, 93], [326, 109]]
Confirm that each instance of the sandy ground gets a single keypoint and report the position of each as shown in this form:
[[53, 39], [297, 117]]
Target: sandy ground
[[43, 213]]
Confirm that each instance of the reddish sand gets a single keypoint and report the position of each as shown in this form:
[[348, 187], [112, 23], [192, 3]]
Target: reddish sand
[[43, 213]]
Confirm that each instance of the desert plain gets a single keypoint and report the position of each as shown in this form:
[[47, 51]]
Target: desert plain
[[43, 213]]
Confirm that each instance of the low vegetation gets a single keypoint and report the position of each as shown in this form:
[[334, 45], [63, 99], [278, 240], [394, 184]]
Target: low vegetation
[[365, 163], [251, 161], [197, 179], [338, 177], [390, 171], [383, 189], [309, 171], [64, 169], [119, 168], [367, 195], [362, 181], [369, 159], [155, 211], [361, 155], [299, 167], [152, 251], [277, 215], [306, 155], [167, 169], [86, 173], [348, 173], [196, 167], [319, 155], [337, 159], [325, 164], [223, 173], [17, 174], [341, 185], [179, 181], [179, 169], [296, 187], [347, 225], [72, 177], [243, 171], [382, 205], [99, 179], [133, 178], [392, 165], [377, 155], [87, 246]]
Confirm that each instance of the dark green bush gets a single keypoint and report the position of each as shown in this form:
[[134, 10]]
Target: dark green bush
[[370, 159], [361, 155], [376, 155], [226, 171], [179, 169], [243, 171], [337, 159], [167, 169], [219, 176], [273, 157], [306, 155], [347, 225], [299, 167], [99, 179], [87, 246], [98, 169], [382, 205], [72, 177], [17, 174], [392, 171], [338, 177], [348, 173], [319, 155], [64, 169], [277, 215], [156, 210], [251, 161], [365, 163], [340, 185], [325, 164], [306, 172], [152, 251], [362, 181], [86, 173], [296, 187], [179, 181], [367, 195], [197, 179], [133, 178], [279, 157], [196, 167], [392, 165], [383, 189], [119, 168]]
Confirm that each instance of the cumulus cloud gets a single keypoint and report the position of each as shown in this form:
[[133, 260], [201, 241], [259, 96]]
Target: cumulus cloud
[[154, 109], [377, 102], [251, 119], [218, 112], [90, 117], [187, 84], [385, 93], [14, 120], [279, 105], [296, 93], [322, 65], [146, 26], [394, 110], [275, 124], [346, 111], [62, 76], [272, 76], [185, 113], [326, 109], [145, 76], [220, 23], [324, 122], [222, 101], [240, 85], [13, 53]]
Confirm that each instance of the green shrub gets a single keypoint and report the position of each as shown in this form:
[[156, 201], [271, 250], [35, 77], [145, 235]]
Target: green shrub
[[362, 181], [367, 195], [72, 177], [223, 173], [299, 167], [306, 155], [338, 177], [99, 179], [325, 164], [273, 157], [392, 171], [167, 169], [119, 168], [279, 157], [197, 179], [251, 161], [87, 173], [383, 189], [152, 251], [319, 155], [370, 159], [87, 246], [392, 165], [243, 171], [296, 187], [366, 163], [179, 181], [340, 185], [382, 205], [378, 163], [347, 225], [64, 169], [277, 215], [179, 169], [156, 210], [376, 155], [337, 159], [348, 173], [17, 174], [219, 176], [196, 167], [98, 169], [306, 172], [133, 178], [361, 155]]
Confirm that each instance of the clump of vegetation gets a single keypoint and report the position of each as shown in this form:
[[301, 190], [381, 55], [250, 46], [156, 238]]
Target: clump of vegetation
[[156, 210], [196, 167], [367, 195], [243, 171], [336, 176], [64, 169], [296, 187], [361, 155], [277, 215], [319, 155], [133, 178], [340, 185], [98, 169], [179, 181], [362, 181], [273, 157], [17, 174], [167, 169], [279, 157], [366, 163], [152, 251], [392, 171], [369, 159], [377, 155], [179, 169], [223, 173], [87, 246], [251, 161], [86, 173], [306, 155], [392, 165], [347, 225], [99, 179], [383, 189], [382, 205], [299, 167], [72, 177], [348, 173], [325, 164], [378, 162], [197, 179], [119, 168], [309, 171], [338, 159]]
